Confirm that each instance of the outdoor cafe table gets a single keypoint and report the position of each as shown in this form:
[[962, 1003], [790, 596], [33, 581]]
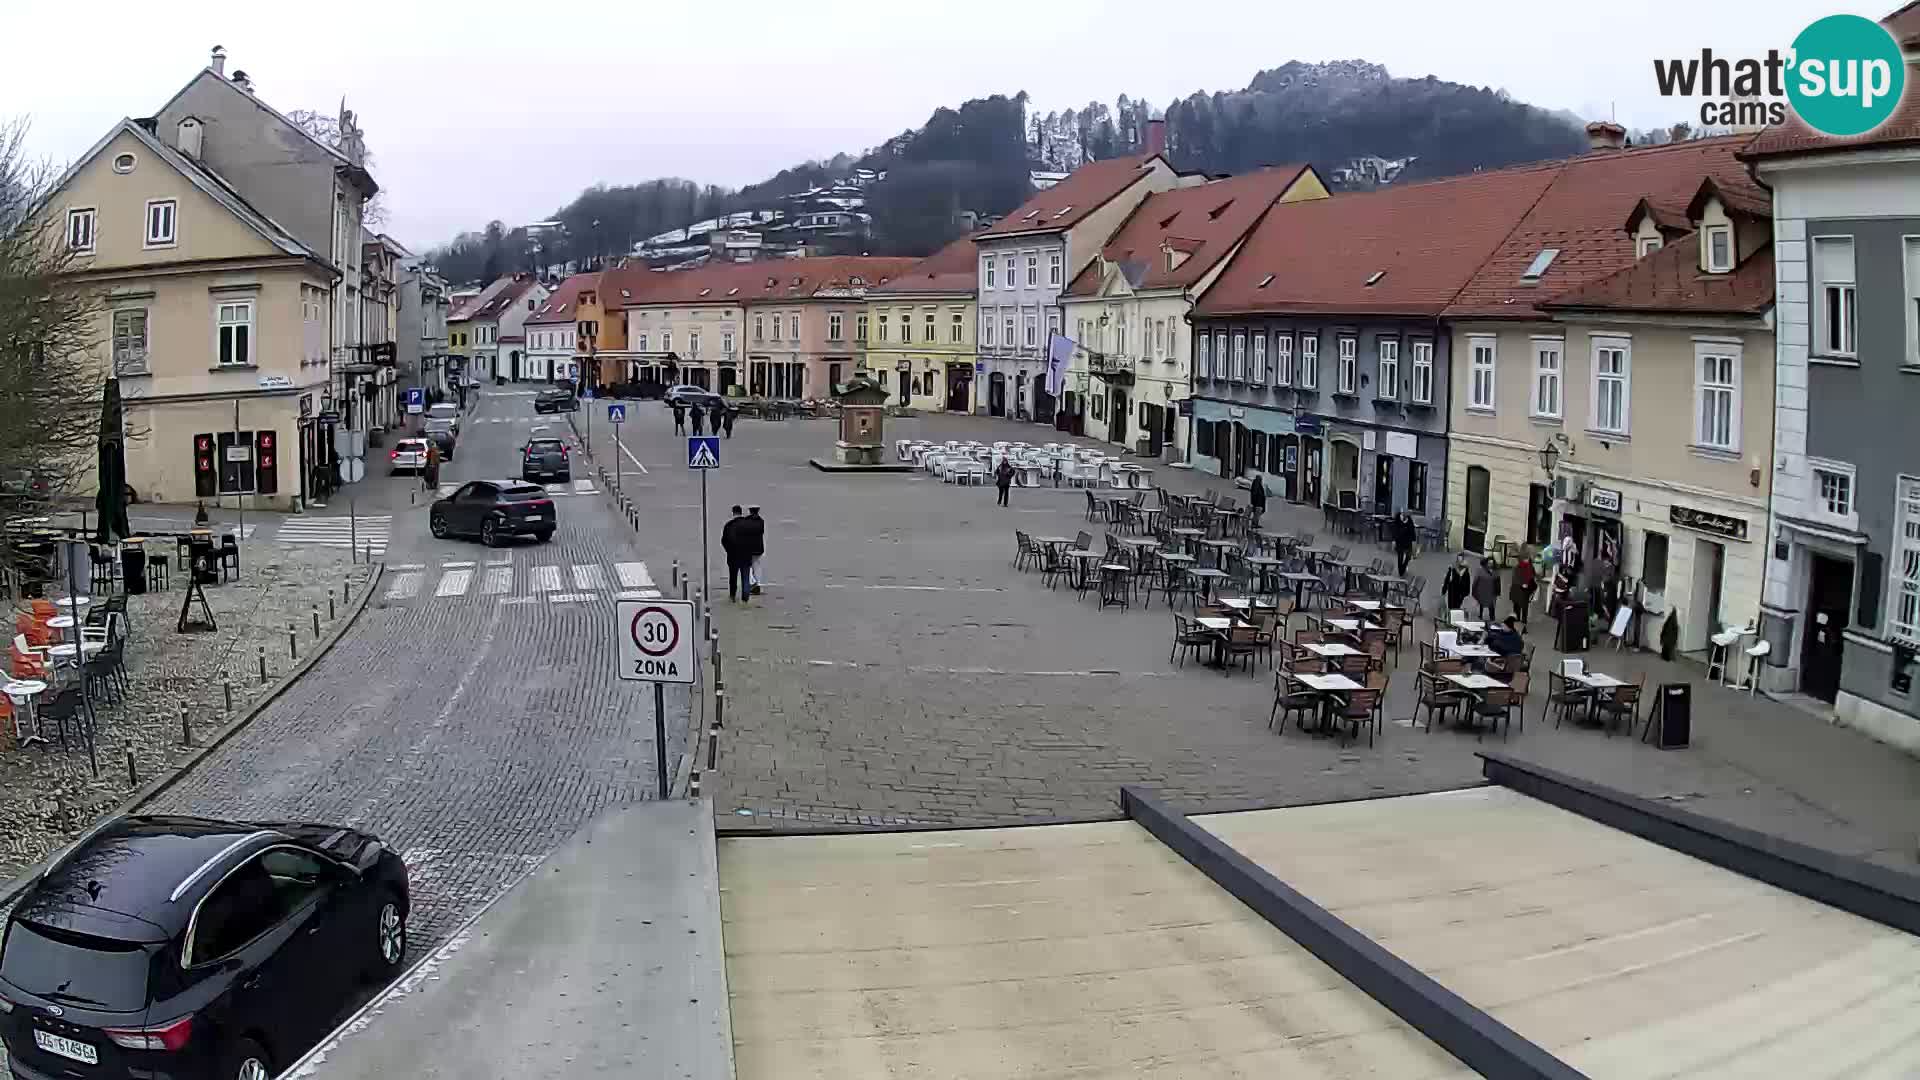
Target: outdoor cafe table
[[1331, 650], [1264, 565], [1352, 626], [65, 652], [1364, 605], [1381, 581], [1476, 682], [22, 692], [73, 601], [60, 622], [1219, 549], [1207, 575], [1470, 626], [1147, 514], [1329, 685], [1244, 604], [1188, 535], [1596, 680], [1299, 579], [1471, 652], [1082, 561]]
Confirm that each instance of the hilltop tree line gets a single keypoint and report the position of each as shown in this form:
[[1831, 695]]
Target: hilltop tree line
[[978, 157]]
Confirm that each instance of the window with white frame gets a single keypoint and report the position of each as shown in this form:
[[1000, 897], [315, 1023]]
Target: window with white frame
[[929, 336], [1120, 338], [1033, 330], [1834, 280], [1006, 324], [1646, 245], [161, 215], [1482, 358], [1716, 395], [1347, 370], [1053, 325], [1006, 266], [958, 331], [1913, 301], [235, 332], [859, 328], [1903, 615], [80, 229], [1053, 268], [1260, 358], [836, 325], [693, 343], [1033, 269], [640, 343], [884, 329], [793, 326], [1549, 362], [1719, 242], [1830, 493], [1423, 372], [986, 330], [666, 339], [986, 274], [776, 326], [1612, 385], [1388, 385], [1283, 359], [130, 341], [1202, 358], [726, 342], [1159, 337], [1309, 361], [906, 326], [1222, 359], [1240, 356], [759, 328]]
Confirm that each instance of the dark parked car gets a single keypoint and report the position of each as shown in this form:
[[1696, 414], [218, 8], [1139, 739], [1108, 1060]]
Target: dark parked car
[[494, 510], [555, 399], [445, 439], [545, 457], [187, 948]]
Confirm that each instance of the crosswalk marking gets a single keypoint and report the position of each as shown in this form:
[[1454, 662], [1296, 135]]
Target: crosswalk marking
[[569, 597], [584, 487], [633, 575], [499, 580], [546, 579], [588, 576], [406, 585], [371, 532], [454, 583], [639, 594]]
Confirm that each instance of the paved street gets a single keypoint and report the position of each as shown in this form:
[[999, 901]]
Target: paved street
[[474, 725]]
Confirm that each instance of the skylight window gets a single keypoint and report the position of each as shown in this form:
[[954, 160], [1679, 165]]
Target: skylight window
[[733, 291], [1031, 214], [1065, 210], [1214, 214], [1538, 267], [1374, 278], [626, 295], [1265, 281]]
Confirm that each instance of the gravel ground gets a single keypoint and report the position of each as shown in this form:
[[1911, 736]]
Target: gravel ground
[[51, 795]]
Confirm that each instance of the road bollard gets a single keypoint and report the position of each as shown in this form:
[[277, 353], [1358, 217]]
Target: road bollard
[[674, 580], [226, 689], [186, 727], [293, 642], [133, 774], [713, 733], [263, 665], [331, 615], [316, 620]]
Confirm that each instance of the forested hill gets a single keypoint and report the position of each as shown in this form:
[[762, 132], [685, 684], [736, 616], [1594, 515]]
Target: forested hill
[[1352, 120]]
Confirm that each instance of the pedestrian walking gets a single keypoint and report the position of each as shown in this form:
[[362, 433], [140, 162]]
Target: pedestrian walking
[[679, 419], [430, 476], [726, 418], [1403, 540], [1526, 582], [1486, 590], [1455, 587], [756, 546], [1256, 501], [735, 542], [714, 416], [1003, 479], [699, 420]]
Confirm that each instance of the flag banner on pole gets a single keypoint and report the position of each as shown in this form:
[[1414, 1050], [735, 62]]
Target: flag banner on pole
[[1059, 355]]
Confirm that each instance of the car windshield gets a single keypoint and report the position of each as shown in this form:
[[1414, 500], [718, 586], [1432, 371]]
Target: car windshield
[[541, 446], [78, 969]]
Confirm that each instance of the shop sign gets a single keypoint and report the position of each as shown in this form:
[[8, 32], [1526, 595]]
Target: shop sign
[[1185, 406], [1307, 424], [1606, 499], [1236, 413], [1706, 521]]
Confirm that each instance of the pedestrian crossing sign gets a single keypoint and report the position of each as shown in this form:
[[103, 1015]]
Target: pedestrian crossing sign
[[703, 452], [617, 414]]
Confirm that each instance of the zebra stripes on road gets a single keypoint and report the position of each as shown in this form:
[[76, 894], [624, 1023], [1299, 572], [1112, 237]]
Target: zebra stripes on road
[[371, 531], [553, 583]]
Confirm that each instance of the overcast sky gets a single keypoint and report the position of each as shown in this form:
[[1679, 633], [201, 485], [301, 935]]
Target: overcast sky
[[486, 110]]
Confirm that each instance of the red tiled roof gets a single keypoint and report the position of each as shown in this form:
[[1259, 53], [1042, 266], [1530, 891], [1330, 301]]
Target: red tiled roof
[[1795, 137], [1425, 240], [736, 283], [952, 269], [478, 300], [1205, 222], [495, 301], [1670, 281], [561, 306], [1904, 25], [1581, 213], [1084, 190]]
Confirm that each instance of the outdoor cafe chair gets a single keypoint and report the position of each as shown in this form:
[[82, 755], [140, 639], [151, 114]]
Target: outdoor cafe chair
[[1291, 697], [1358, 708], [1435, 694], [1096, 510], [1620, 704], [229, 555], [1497, 706], [1188, 637], [1355, 666], [1564, 696], [1242, 643]]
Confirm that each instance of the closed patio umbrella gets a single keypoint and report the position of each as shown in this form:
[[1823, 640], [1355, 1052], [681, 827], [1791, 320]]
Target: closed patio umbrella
[[111, 499]]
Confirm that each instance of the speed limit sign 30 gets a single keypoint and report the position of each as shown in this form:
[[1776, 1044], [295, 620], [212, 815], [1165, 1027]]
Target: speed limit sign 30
[[656, 640]]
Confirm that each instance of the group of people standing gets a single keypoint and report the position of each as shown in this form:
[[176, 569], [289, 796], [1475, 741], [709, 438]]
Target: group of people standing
[[717, 415], [1483, 586]]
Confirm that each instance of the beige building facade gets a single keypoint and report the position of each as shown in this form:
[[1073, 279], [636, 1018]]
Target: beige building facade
[[213, 318]]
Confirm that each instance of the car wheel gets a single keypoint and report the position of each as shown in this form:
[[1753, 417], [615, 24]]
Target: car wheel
[[248, 1061], [487, 535], [437, 523], [544, 535], [389, 936]]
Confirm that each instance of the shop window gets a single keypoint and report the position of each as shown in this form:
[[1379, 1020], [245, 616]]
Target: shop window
[[1653, 561]]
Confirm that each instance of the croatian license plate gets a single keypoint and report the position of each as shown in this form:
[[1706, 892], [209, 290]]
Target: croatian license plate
[[71, 1049], [536, 517]]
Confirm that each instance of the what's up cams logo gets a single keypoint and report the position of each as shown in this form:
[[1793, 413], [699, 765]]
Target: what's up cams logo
[[1843, 76]]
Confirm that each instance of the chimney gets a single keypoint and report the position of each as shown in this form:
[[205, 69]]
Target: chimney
[[1156, 136], [188, 140], [219, 64], [1606, 135], [240, 80]]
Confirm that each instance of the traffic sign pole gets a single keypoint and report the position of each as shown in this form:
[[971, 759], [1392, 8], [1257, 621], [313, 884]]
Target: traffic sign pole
[[660, 737], [706, 576], [619, 451]]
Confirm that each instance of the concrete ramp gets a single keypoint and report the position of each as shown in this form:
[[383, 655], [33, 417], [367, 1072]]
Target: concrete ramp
[[1082, 951], [605, 961]]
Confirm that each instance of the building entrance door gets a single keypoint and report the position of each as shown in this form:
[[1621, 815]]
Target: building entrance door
[[1383, 484], [1829, 595], [1539, 514], [1479, 483], [1709, 568]]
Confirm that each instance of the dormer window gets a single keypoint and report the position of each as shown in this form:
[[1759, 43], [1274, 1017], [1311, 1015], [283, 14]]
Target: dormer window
[[1718, 240], [1374, 278], [1646, 245], [1265, 281]]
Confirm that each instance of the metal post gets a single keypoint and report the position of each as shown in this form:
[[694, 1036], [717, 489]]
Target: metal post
[[186, 727], [133, 774], [660, 737], [226, 690], [316, 620], [619, 449], [673, 581], [353, 529], [293, 642], [263, 665], [706, 576], [331, 614]]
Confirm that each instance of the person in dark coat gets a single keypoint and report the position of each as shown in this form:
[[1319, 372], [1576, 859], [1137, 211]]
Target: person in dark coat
[[726, 420], [736, 541], [679, 419], [1526, 582], [1403, 540], [1486, 590], [699, 420], [1256, 501], [1455, 587], [1003, 479], [756, 527], [1505, 640], [714, 413]]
